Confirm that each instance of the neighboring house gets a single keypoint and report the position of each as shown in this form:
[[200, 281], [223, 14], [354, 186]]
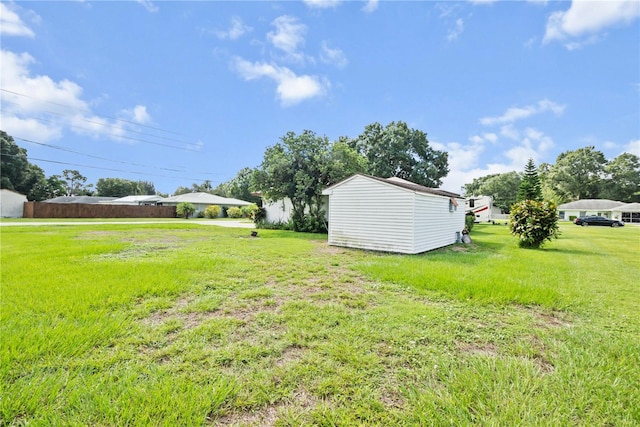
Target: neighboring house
[[11, 204], [203, 200], [587, 207], [482, 209], [392, 215], [144, 200], [85, 200], [279, 211], [627, 212]]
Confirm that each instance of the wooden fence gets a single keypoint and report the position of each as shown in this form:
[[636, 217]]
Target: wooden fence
[[81, 210]]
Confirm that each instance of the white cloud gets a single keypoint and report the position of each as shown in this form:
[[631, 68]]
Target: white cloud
[[584, 20], [40, 108], [485, 137], [633, 147], [333, 56], [508, 131], [482, 2], [518, 113], [464, 158], [147, 4], [538, 2], [11, 24], [291, 88], [456, 30], [322, 4], [288, 36], [237, 30], [29, 128], [534, 145], [138, 114], [370, 7]]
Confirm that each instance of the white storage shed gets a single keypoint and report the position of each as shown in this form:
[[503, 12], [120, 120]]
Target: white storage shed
[[392, 215]]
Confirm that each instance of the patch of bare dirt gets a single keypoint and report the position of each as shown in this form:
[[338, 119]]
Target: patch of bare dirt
[[289, 355], [267, 416], [552, 320], [481, 349]]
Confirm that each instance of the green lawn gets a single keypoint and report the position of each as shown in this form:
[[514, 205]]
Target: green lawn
[[179, 324]]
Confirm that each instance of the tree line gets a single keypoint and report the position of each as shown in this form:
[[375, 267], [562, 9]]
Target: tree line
[[19, 175], [577, 174]]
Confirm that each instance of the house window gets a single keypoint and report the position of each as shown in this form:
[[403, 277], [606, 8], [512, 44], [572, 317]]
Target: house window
[[453, 205], [472, 203]]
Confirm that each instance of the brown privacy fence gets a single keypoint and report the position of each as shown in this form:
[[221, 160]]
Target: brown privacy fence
[[81, 210]]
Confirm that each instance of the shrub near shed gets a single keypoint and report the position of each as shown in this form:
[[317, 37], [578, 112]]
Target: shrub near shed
[[534, 222]]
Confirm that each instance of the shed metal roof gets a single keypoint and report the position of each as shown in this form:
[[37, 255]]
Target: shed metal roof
[[399, 182]]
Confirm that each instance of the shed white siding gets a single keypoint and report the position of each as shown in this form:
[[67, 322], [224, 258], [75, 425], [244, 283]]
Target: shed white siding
[[436, 222], [371, 215], [368, 213]]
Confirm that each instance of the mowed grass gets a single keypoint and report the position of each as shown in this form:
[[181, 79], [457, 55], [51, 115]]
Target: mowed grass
[[179, 324]]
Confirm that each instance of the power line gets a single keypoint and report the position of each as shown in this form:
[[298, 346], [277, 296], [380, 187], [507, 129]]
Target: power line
[[72, 108], [56, 147], [109, 169], [102, 124], [116, 135]]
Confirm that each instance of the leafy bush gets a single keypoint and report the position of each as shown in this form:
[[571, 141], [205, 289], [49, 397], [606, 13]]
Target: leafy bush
[[469, 221], [234, 212], [250, 211], [534, 222], [274, 225], [200, 214], [212, 211], [307, 223], [185, 209], [260, 216]]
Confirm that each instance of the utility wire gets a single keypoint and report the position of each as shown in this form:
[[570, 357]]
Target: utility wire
[[100, 123], [56, 147], [72, 108], [118, 136], [110, 169]]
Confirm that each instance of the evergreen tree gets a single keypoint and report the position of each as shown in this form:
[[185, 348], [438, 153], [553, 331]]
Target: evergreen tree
[[530, 188]]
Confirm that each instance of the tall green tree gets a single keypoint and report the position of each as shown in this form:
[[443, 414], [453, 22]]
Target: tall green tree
[[16, 172], [241, 187], [578, 174], [396, 150], [299, 167], [502, 187], [204, 187], [75, 183], [622, 179], [530, 188], [119, 187]]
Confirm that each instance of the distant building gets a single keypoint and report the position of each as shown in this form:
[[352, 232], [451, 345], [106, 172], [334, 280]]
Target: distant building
[[625, 212], [482, 209], [203, 200], [143, 200], [11, 204], [85, 200]]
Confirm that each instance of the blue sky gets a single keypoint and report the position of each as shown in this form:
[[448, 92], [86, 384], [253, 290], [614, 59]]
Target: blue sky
[[181, 92]]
